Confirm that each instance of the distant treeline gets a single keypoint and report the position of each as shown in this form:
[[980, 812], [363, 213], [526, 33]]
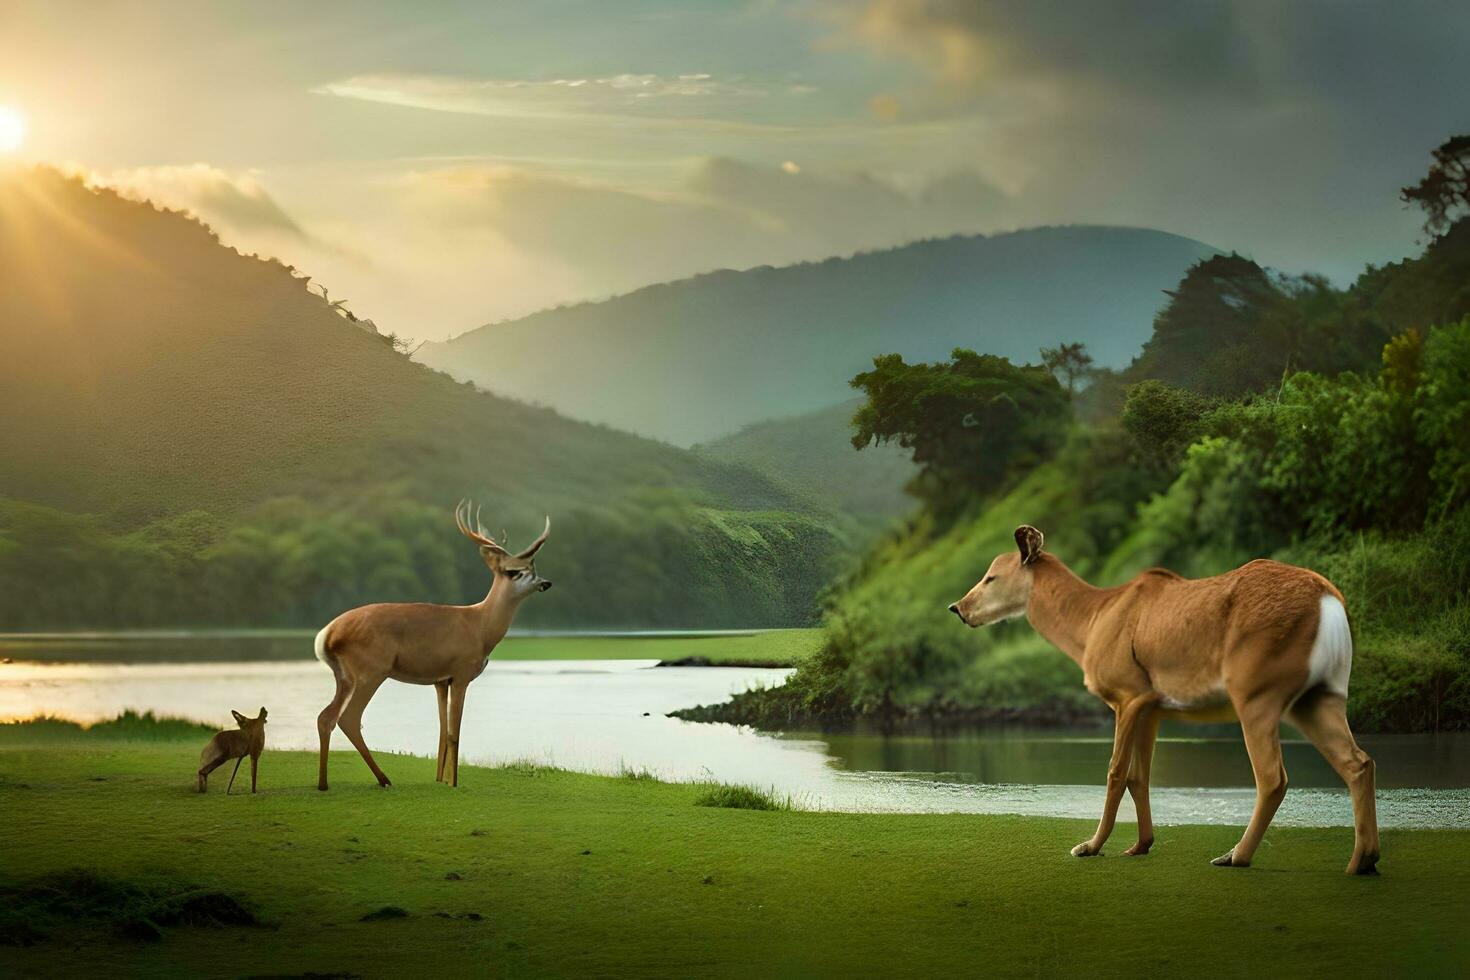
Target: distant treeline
[[659, 561]]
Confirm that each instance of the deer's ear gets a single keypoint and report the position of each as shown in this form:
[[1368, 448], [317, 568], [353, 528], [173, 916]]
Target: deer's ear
[[491, 555], [239, 718], [262, 713], [1029, 540]]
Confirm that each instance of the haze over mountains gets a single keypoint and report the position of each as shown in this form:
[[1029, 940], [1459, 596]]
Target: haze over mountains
[[184, 413], [695, 360]]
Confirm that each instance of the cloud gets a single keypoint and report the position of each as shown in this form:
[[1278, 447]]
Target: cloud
[[1280, 129], [835, 212], [633, 94], [724, 213], [975, 53], [228, 202], [442, 248]]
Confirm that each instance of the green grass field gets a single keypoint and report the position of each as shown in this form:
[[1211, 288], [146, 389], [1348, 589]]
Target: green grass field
[[530, 872]]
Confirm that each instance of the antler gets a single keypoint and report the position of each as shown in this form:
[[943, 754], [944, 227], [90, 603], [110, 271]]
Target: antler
[[535, 546], [480, 536], [477, 533]]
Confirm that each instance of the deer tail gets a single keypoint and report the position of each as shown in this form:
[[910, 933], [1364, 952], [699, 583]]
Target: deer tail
[[320, 645]]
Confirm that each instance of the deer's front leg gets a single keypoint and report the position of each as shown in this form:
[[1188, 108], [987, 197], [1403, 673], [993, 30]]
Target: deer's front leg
[[1143, 756], [1125, 731], [232, 775], [441, 690], [456, 715]]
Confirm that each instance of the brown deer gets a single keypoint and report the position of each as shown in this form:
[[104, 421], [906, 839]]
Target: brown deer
[[1264, 642], [423, 643], [248, 739]]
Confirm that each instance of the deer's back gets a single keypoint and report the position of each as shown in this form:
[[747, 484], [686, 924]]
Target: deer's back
[[379, 637], [230, 744], [1191, 636]]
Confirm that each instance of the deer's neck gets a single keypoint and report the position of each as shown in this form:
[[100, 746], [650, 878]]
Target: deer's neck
[[496, 611], [1063, 607]]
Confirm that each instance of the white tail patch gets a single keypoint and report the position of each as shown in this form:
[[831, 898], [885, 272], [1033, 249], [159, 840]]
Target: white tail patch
[[1331, 661], [320, 645]]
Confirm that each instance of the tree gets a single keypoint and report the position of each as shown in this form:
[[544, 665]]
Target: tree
[[1446, 188], [1208, 332], [1164, 419], [1069, 363], [971, 423]]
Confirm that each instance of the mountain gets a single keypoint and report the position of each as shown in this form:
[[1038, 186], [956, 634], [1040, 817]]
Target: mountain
[[195, 437], [693, 360], [813, 454]]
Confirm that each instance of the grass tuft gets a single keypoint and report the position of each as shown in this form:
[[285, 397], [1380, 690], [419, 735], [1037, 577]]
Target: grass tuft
[[741, 798], [527, 767], [639, 775]]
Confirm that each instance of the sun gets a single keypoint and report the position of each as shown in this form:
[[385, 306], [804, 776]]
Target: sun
[[12, 129]]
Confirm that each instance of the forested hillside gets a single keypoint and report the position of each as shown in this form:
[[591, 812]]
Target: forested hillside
[[813, 454], [194, 436], [694, 360], [1263, 417]]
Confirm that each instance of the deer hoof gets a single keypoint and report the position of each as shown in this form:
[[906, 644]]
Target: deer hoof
[[1229, 860], [1367, 864], [1139, 849], [1086, 850]]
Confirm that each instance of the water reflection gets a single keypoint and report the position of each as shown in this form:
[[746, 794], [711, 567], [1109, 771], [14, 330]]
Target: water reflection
[[1186, 756]]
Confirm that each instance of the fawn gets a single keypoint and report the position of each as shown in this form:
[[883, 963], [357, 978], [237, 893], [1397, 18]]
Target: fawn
[[248, 739]]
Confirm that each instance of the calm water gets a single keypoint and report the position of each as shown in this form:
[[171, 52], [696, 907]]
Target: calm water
[[605, 715]]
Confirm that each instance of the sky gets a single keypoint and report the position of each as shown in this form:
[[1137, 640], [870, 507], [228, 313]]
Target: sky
[[444, 165]]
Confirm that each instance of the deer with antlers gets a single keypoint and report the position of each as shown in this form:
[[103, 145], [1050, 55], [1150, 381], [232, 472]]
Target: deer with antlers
[[1264, 642], [423, 643]]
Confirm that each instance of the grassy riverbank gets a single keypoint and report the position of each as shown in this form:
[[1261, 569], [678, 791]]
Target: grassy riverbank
[[527, 871], [770, 648], [764, 648]]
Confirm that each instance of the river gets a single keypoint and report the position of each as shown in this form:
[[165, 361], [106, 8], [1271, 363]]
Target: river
[[609, 715]]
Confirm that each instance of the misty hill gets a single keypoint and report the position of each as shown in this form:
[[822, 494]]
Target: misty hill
[[813, 454], [696, 359], [193, 436]]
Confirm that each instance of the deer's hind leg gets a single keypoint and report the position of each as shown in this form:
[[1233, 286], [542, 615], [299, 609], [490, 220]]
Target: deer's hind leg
[[1260, 721], [1322, 717], [216, 759], [327, 720], [351, 723]]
